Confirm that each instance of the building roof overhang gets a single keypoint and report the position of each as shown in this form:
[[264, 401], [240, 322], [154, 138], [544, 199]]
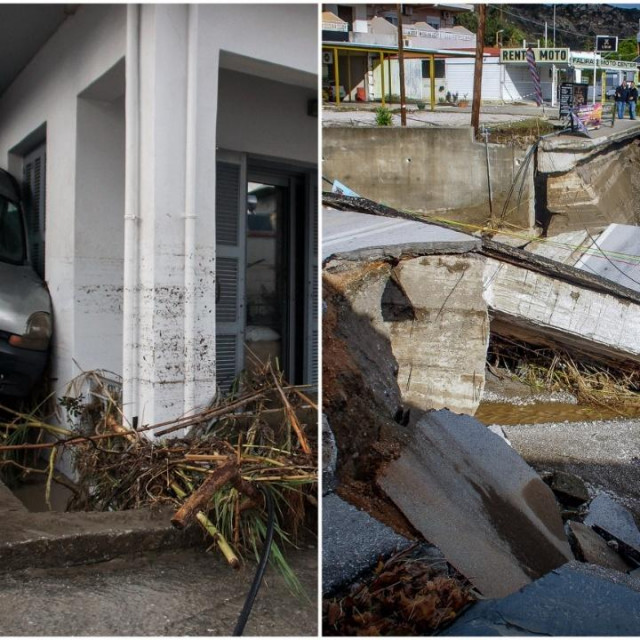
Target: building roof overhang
[[393, 50]]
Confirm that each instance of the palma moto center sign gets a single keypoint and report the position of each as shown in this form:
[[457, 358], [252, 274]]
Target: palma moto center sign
[[550, 56]]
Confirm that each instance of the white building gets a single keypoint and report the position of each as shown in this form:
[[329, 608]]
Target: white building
[[364, 39], [513, 82], [143, 129]]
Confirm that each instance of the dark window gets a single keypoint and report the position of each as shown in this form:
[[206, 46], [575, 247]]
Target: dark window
[[439, 68], [12, 241], [35, 176]]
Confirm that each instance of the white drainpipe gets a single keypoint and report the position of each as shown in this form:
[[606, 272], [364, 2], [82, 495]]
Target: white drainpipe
[[130, 327], [190, 216]]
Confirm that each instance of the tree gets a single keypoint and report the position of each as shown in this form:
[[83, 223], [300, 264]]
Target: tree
[[511, 35], [627, 50]]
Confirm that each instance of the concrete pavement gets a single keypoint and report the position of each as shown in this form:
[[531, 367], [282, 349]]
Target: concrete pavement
[[173, 593], [131, 573]]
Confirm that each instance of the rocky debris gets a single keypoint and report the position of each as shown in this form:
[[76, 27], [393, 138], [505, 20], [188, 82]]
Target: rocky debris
[[574, 600], [473, 496], [598, 451], [610, 517], [568, 488], [590, 547], [528, 399], [329, 457], [352, 542], [502, 386]]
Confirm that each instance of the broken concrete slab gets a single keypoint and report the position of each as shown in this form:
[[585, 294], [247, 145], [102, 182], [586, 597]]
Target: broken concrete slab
[[591, 548], [569, 488], [436, 369], [605, 512], [543, 309], [352, 542], [599, 190], [353, 235], [563, 247], [422, 306], [617, 247], [560, 154], [574, 600], [329, 457], [475, 498]]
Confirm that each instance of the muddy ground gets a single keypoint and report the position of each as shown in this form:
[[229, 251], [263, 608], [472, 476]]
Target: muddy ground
[[363, 404]]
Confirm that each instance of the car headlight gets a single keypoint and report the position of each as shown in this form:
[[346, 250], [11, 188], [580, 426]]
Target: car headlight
[[37, 334]]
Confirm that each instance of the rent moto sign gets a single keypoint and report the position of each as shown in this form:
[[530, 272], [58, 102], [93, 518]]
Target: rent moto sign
[[552, 55]]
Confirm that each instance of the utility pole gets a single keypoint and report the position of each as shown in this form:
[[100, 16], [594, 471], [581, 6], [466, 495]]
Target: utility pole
[[403, 100], [477, 74], [554, 25]]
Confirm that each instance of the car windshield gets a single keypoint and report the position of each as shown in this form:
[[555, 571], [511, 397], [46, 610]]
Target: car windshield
[[12, 240]]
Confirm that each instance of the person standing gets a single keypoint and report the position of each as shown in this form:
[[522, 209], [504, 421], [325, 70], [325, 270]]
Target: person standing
[[621, 98], [632, 99]]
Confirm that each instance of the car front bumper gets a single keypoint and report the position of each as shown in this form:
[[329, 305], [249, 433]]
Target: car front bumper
[[20, 369]]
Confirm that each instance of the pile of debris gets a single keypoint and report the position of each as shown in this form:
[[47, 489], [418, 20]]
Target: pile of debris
[[257, 441], [408, 594], [555, 370]]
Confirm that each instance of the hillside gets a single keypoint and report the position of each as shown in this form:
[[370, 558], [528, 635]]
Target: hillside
[[576, 24]]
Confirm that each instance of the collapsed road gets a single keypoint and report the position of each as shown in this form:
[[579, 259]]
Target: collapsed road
[[407, 327]]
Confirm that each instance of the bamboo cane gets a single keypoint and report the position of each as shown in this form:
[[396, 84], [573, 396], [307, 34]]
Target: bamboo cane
[[223, 545], [199, 498]]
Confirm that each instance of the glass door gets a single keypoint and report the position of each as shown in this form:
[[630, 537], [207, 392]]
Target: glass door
[[267, 291]]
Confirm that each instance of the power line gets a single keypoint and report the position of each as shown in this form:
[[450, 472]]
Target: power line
[[541, 24]]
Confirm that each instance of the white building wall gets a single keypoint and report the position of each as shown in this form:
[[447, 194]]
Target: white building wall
[[46, 92], [277, 103], [360, 23], [278, 43], [99, 234], [508, 83], [416, 87], [277, 47]]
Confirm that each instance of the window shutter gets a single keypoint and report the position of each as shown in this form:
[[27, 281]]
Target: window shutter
[[311, 292], [34, 175], [230, 260]]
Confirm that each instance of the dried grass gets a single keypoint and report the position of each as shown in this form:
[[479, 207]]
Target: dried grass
[[544, 368]]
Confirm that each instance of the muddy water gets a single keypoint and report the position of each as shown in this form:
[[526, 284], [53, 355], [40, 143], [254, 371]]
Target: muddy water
[[32, 495], [509, 414]]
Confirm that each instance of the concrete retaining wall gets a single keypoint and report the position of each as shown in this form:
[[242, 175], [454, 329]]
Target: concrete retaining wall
[[426, 170]]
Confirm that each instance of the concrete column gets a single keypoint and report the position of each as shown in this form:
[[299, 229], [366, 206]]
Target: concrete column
[[162, 291], [163, 56]]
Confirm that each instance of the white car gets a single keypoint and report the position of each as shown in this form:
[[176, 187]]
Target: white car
[[25, 304]]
